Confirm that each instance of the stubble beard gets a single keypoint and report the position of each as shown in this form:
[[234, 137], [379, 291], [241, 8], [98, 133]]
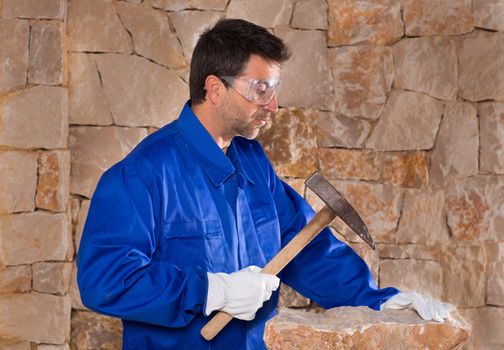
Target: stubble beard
[[241, 124]]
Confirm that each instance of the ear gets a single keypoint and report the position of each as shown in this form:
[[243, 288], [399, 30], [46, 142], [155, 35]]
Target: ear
[[215, 89]]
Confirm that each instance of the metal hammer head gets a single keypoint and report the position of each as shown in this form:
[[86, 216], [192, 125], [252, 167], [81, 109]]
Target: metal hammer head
[[335, 200]]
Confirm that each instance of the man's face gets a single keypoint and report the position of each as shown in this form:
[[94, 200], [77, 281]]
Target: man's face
[[240, 116]]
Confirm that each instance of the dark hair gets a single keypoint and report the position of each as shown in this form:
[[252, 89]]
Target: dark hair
[[225, 49]]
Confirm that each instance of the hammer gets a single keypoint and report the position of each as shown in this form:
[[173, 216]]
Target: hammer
[[336, 205]]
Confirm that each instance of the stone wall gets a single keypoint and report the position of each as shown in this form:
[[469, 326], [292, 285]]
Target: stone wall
[[400, 103]]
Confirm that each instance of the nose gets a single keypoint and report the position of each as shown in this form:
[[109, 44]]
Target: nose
[[272, 105]]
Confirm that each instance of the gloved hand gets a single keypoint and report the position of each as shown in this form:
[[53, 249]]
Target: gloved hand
[[426, 307], [240, 293]]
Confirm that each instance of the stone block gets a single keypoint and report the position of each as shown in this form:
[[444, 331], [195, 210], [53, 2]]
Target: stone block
[[491, 128], [45, 65], [341, 131], [152, 36], [265, 13], [51, 277], [435, 62], [35, 118], [290, 141], [432, 17], [93, 26], [362, 328], [32, 237], [310, 14], [53, 186], [73, 289], [364, 21], [74, 209], [14, 344], [290, 298], [18, 181], [481, 56], [83, 212], [495, 273], [93, 331], [38, 9], [489, 14], [363, 77], [53, 347], [406, 169], [177, 5], [420, 276], [14, 38], [48, 317], [487, 325], [409, 121], [15, 279], [95, 149]]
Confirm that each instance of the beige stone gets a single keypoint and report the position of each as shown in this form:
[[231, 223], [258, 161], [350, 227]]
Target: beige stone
[[93, 331], [362, 21], [363, 77], [40, 9], [306, 79], [53, 347], [45, 64], [341, 131], [177, 5], [265, 13], [73, 289], [189, 25], [491, 127], [310, 14], [35, 118], [93, 26], [74, 209], [139, 92], [408, 251], [362, 328], [338, 163], [95, 149], [409, 121], [15, 279], [152, 36], [407, 169], [18, 181], [290, 142], [32, 237], [481, 57], [435, 62], [48, 317], [487, 325], [420, 276], [53, 186], [83, 212], [290, 298], [14, 38], [14, 344], [433, 17], [51, 277], [489, 14], [495, 273], [87, 101]]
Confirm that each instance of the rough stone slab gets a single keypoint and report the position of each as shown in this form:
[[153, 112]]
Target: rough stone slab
[[14, 38], [152, 36], [362, 328], [73, 290], [48, 317], [15, 279], [39, 9], [363, 77], [32, 237], [290, 298], [177, 5], [310, 14], [420, 276], [435, 62], [139, 92], [53, 186], [433, 17], [265, 13], [290, 142], [409, 121], [489, 14], [95, 149], [74, 209], [45, 64], [18, 181], [87, 100], [362, 21], [35, 118], [341, 131], [491, 128], [481, 58], [408, 251], [487, 325], [14, 344], [93, 25], [406, 169], [495, 273], [93, 331], [51, 278], [83, 212], [306, 79]]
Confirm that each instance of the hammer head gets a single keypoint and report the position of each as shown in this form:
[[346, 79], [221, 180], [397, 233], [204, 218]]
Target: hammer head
[[335, 200]]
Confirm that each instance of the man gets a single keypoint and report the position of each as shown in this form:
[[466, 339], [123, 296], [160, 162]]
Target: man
[[180, 227]]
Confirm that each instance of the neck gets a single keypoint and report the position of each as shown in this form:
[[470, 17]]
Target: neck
[[210, 122]]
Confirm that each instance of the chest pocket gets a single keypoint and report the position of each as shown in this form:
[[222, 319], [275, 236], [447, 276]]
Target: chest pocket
[[192, 229]]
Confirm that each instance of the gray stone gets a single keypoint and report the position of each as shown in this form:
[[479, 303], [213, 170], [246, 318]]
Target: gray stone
[[489, 14], [15, 279], [265, 13], [177, 5], [14, 38], [491, 127], [51, 277], [46, 56], [310, 14], [39, 9], [341, 131]]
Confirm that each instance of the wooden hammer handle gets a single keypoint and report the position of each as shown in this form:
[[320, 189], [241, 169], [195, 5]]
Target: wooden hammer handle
[[279, 261]]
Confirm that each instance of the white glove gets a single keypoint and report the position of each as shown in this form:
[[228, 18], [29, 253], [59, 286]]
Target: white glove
[[240, 293], [426, 307]]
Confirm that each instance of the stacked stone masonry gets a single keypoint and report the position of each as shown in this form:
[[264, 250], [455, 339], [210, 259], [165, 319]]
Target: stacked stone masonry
[[399, 103]]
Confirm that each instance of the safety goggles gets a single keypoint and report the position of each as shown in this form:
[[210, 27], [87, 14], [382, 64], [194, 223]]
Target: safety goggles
[[258, 91]]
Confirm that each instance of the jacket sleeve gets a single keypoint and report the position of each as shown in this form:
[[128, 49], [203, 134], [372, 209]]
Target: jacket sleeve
[[117, 274]]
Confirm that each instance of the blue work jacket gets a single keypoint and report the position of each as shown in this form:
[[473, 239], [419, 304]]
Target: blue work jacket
[[176, 207]]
